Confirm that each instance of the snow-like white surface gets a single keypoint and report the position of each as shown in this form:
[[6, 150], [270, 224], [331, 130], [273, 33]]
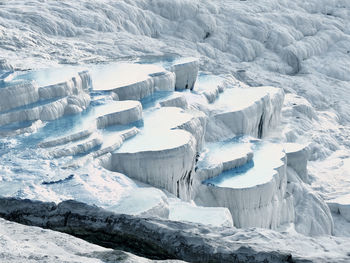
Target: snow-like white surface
[[240, 111], [209, 86], [18, 94], [312, 215], [215, 216], [267, 157], [48, 76], [121, 112], [161, 164], [222, 156], [341, 205], [186, 72], [145, 80], [176, 100], [255, 191], [300, 46], [113, 76], [297, 156]]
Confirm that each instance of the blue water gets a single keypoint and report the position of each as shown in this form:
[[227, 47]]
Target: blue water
[[81, 121], [156, 133], [228, 175], [74, 123], [15, 126], [50, 76], [267, 157], [218, 152], [152, 100], [24, 166]]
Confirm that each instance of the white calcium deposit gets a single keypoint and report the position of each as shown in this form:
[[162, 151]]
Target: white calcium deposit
[[97, 94]]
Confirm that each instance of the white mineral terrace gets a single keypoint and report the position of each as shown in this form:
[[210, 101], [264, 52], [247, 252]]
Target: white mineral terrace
[[73, 120], [251, 184], [48, 76], [160, 155], [268, 157], [115, 75], [297, 156], [239, 111], [146, 79], [210, 86], [223, 156], [231, 114]]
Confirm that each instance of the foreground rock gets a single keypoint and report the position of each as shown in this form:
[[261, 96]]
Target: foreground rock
[[163, 239], [20, 243]]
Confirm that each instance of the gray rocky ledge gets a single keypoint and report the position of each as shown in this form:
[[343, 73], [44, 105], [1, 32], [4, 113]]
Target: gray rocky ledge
[[159, 239]]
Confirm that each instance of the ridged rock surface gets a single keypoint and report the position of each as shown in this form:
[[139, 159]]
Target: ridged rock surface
[[166, 239]]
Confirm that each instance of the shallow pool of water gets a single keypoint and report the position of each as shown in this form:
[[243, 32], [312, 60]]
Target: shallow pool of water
[[50, 76], [267, 157]]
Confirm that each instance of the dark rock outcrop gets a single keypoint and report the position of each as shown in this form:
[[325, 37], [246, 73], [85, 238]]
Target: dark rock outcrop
[[150, 237]]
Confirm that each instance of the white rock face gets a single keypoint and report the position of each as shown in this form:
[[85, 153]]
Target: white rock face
[[18, 94], [145, 88], [186, 72], [47, 112], [163, 81], [5, 66], [177, 100], [341, 205], [260, 201], [77, 84], [164, 154], [66, 139], [170, 166], [209, 86], [312, 215], [23, 92], [255, 114], [146, 80], [136, 91], [28, 102], [80, 147], [214, 216], [297, 156], [124, 112], [270, 42], [196, 126]]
